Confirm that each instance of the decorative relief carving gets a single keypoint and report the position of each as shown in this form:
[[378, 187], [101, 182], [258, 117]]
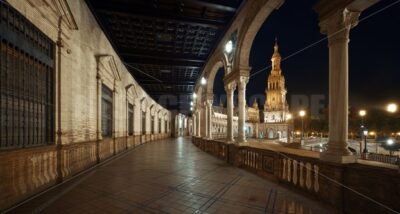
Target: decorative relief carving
[[108, 72], [268, 164], [52, 10], [337, 26]]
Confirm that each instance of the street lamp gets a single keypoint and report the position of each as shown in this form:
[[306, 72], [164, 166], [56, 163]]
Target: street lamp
[[390, 141], [194, 95], [302, 113], [391, 107], [365, 132], [362, 114]]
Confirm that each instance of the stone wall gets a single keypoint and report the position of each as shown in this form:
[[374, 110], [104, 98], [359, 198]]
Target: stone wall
[[85, 60], [343, 188]]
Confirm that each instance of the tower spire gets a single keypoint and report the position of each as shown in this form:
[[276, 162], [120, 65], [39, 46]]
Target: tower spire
[[276, 46]]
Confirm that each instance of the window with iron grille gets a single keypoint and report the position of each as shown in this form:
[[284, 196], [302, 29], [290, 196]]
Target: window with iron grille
[[152, 124], [26, 82], [106, 111], [143, 122], [159, 125], [130, 119]]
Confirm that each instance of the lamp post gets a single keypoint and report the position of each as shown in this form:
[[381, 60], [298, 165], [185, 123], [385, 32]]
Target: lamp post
[[288, 117], [365, 132], [302, 113], [362, 114]]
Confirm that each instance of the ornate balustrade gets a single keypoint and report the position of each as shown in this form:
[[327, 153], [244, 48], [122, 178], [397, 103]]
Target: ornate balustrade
[[338, 186]]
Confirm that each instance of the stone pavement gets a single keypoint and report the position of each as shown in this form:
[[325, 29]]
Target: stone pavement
[[169, 176]]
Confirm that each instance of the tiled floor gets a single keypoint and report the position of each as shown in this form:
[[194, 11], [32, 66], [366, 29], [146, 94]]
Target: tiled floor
[[170, 176]]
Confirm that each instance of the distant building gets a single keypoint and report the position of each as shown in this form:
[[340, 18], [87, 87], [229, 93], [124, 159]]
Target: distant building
[[276, 109], [253, 113]]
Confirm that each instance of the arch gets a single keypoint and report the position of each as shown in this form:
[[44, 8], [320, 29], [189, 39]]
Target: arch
[[279, 134], [211, 76], [218, 60], [251, 26], [153, 109], [270, 133], [132, 92], [199, 93]]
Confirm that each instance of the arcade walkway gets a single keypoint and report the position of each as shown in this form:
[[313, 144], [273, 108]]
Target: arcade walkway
[[169, 176]]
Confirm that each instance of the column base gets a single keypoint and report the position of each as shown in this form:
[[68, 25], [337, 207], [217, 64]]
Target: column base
[[337, 152]]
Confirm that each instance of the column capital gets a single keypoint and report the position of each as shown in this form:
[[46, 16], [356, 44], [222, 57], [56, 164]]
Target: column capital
[[208, 96], [230, 87], [337, 26], [242, 82], [209, 102]]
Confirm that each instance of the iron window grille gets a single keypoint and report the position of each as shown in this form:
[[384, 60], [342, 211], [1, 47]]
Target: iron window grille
[[27, 99], [106, 111], [159, 125], [130, 119], [143, 122], [152, 124]]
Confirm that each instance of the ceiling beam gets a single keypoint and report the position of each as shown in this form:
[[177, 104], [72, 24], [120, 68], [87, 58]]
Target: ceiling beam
[[168, 82], [143, 13], [167, 67], [123, 53], [154, 60]]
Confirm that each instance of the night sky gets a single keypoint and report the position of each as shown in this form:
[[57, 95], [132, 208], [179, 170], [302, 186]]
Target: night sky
[[374, 55]]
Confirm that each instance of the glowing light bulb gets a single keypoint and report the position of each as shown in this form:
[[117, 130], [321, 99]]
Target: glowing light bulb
[[229, 47]]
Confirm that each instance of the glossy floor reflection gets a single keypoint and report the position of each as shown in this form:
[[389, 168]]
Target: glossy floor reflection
[[170, 176]]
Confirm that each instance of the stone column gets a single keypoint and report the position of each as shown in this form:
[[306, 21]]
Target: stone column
[[194, 130], [242, 108], [209, 116], [230, 89], [198, 123], [337, 28], [203, 120]]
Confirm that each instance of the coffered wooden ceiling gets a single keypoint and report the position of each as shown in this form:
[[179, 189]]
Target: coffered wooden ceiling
[[165, 43]]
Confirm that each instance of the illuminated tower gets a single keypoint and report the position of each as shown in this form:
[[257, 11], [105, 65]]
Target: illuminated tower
[[275, 107]]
